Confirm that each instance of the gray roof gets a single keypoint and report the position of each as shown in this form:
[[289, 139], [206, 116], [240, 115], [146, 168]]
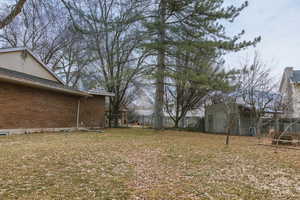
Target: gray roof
[[100, 92], [295, 77], [22, 77]]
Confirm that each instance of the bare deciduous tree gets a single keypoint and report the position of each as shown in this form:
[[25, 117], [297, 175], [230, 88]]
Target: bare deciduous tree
[[167, 24], [74, 62], [43, 27], [15, 11], [191, 79], [257, 90], [111, 31], [228, 96]]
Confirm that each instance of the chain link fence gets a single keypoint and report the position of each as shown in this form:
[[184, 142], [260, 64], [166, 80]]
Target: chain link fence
[[193, 123]]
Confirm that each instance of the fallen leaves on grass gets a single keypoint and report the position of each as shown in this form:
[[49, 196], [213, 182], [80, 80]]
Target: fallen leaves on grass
[[144, 164]]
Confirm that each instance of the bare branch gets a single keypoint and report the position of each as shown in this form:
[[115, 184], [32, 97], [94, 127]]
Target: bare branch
[[15, 12]]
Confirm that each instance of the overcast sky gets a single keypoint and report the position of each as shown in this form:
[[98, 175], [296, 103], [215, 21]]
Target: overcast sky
[[278, 23]]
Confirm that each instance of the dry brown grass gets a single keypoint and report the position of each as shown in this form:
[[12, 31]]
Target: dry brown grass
[[144, 164]]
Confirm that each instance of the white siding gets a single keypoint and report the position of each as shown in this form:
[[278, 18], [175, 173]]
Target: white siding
[[296, 101]]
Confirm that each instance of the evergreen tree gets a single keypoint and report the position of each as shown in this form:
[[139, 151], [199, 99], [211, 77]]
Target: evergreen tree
[[187, 25]]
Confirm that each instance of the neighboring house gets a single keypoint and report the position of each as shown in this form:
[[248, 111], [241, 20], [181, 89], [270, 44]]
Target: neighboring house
[[290, 91], [216, 119], [34, 99]]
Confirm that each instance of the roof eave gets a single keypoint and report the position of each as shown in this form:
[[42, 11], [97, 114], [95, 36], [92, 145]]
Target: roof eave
[[109, 94], [42, 86]]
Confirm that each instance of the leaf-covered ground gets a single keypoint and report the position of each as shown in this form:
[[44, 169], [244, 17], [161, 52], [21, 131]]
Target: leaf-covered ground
[[144, 164]]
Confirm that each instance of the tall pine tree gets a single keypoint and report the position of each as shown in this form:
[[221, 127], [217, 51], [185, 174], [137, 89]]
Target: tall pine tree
[[167, 24]]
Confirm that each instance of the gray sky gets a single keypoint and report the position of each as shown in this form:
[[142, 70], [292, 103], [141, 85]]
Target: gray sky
[[278, 23]]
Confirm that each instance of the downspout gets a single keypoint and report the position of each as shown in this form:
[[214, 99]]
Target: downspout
[[78, 113]]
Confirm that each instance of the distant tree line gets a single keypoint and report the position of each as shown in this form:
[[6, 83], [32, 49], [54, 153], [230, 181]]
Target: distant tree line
[[176, 46]]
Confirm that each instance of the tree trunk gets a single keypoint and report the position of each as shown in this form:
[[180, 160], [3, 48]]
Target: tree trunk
[[228, 136], [160, 73], [229, 130], [13, 14], [176, 123], [115, 115], [116, 122], [257, 127], [276, 125]]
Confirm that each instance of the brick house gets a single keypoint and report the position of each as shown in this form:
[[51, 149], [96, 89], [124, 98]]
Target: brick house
[[34, 99]]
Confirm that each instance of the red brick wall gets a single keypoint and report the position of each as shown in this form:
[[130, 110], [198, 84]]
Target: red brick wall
[[25, 107], [92, 112]]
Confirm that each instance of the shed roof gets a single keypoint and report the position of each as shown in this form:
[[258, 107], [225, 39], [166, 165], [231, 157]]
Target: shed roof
[[295, 77], [98, 92]]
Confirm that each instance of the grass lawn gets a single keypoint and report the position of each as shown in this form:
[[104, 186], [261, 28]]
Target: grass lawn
[[144, 164]]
